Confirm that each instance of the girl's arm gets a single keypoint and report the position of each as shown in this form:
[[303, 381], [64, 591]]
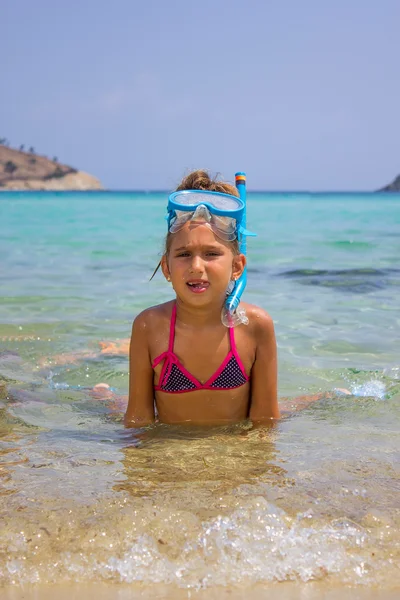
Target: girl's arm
[[140, 409], [264, 393]]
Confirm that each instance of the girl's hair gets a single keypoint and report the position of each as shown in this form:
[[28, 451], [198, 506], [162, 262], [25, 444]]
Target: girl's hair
[[201, 180]]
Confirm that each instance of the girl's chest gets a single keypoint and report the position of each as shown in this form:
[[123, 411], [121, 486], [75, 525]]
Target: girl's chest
[[202, 355]]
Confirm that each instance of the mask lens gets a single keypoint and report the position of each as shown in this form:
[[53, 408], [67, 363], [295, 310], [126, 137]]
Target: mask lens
[[181, 218], [219, 201], [224, 228]]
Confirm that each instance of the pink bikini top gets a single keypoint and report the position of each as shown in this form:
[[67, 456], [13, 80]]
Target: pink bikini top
[[175, 379]]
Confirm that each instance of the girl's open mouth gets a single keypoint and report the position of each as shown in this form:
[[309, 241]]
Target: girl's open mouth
[[197, 287]]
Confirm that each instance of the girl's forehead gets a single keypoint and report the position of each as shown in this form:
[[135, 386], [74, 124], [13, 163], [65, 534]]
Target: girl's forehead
[[195, 234]]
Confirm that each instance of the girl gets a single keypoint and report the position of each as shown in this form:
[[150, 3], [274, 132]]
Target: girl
[[183, 360]]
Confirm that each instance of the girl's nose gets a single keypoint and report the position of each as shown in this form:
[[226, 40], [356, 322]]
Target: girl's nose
[[196, 264]]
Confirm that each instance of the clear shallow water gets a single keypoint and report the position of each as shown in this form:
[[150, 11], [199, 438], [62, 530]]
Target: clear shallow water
[[82, 498]]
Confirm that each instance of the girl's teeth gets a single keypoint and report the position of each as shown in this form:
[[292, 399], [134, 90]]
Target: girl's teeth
[[197, 284]]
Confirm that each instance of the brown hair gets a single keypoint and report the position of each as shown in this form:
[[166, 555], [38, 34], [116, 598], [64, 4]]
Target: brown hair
[[201, 180]]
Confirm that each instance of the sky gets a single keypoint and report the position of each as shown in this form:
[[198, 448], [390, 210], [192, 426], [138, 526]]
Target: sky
[[300, 94]]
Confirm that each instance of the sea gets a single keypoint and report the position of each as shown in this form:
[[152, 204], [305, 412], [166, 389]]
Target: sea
[[314, 501]]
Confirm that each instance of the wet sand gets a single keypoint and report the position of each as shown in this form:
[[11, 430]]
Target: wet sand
[[279, 591]]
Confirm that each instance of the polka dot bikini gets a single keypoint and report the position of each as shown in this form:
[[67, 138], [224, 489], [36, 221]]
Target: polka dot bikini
[[175, 379]]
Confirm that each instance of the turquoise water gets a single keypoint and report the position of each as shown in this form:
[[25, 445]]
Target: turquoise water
[[315, 498]]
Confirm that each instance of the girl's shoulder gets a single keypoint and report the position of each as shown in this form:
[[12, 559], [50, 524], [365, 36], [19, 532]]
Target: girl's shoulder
[[151, 318], [260, 322]]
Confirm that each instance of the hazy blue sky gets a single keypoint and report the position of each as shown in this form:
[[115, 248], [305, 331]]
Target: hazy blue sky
[[301, 94]]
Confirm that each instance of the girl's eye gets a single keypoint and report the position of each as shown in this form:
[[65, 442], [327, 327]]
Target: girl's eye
[[211, 253]]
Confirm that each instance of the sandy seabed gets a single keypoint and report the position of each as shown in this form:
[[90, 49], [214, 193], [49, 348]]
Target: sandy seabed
[[281, 591]]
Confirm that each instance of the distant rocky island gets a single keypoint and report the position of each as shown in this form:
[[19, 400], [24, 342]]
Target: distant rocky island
[[392, 187], [25, 170]]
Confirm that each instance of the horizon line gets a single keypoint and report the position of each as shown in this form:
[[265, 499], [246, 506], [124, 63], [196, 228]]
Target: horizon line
[[167, 192]]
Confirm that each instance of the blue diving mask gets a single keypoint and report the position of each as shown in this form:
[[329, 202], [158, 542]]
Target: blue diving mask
[[222, 212]]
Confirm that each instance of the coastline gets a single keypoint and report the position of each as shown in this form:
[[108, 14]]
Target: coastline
[[21, 170], [79, 181]]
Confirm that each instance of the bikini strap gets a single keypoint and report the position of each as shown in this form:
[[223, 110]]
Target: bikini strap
[[235, 352], [172, 330], [232, 340], [168, 356], [169, 353]]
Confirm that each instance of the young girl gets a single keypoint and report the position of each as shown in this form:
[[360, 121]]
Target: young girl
[[184, 362]]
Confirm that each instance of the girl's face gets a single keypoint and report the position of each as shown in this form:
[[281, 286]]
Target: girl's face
[[199, 265]]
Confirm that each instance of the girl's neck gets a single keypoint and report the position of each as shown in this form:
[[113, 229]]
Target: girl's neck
[[198, 316]]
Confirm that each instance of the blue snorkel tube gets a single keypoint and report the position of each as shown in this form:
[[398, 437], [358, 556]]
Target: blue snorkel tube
[[233, 300]]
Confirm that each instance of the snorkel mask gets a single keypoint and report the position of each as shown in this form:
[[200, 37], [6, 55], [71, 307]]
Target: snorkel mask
[[226, 216]]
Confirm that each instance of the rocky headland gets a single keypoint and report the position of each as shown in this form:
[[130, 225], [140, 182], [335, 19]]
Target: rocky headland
[[21, 170], [392, 187]]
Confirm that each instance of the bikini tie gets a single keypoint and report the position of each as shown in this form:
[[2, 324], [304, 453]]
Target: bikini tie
[[172, 360]]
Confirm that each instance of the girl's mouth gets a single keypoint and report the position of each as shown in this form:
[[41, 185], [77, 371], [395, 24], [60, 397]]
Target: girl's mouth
[[197, 287]]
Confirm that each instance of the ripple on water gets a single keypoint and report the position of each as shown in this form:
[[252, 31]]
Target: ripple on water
[[358, 281]]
